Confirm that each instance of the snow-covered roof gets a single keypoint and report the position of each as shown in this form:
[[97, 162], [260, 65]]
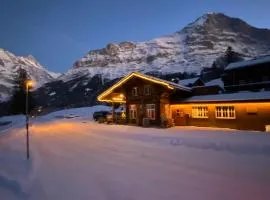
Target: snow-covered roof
[[175, 85], [189, 81], [247, 63], [217, 81], [239, 96]]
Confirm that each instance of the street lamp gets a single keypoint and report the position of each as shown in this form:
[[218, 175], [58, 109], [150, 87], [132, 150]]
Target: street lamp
[[29, 84]]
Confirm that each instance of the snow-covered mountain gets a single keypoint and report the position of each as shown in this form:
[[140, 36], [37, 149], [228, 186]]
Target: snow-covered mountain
[[188, 50], [9, 64], [195, 46]]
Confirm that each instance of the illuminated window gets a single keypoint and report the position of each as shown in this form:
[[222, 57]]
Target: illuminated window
[[132, 111], [135, 91], [150, 111], [199, 112], [147, 90], [225, 112]]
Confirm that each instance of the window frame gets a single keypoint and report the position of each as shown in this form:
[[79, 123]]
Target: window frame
[[132, 111], [199, 112], [151, 111], [135, 94], [228, 114], [147, 88]]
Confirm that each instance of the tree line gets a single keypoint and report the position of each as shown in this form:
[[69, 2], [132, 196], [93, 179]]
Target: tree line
[[18, 99]]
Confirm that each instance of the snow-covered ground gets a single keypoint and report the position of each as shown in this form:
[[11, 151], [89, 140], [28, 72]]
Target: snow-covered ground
[[79, 159]]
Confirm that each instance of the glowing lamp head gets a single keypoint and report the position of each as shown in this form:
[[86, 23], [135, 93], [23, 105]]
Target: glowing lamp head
[[29, 83]]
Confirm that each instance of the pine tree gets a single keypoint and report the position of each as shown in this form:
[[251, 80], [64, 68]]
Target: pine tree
[[18, 99], [214, 65], [232, 56]]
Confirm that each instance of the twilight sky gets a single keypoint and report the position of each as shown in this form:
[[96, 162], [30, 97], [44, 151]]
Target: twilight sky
[[58, 32]]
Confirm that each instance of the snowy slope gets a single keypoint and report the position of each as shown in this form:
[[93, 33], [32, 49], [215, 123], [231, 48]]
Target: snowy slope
[[9, 64], [79, 159], [194, 47]]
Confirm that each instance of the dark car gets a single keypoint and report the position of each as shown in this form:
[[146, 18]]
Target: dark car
[[100, 116], [117, 117]]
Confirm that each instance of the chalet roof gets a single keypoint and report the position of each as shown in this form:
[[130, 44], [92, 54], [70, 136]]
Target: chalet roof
[[169, 84], [173, 84], [189, 81], [230, 97], [248, 63], [217, 81]]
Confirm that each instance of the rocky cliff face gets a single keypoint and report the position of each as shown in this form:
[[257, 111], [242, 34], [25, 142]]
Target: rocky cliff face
[[195, 46], [9, 64]]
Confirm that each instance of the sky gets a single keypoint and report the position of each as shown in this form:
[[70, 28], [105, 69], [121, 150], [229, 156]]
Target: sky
[[59, 32]]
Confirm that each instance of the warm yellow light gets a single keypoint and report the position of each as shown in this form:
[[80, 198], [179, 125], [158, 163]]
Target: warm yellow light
[[117, 99], [29, 83], [170, 87]]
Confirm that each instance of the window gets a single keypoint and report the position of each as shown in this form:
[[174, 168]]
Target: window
[[135, 91], [177, 113], [199, 112], [225, 112], [133, 111], [147, 90], [150, 111]]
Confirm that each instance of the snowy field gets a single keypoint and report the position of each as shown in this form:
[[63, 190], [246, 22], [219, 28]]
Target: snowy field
[[78, 159]]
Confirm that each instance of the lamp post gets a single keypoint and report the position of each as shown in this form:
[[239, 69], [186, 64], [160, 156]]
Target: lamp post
[[29, 84]]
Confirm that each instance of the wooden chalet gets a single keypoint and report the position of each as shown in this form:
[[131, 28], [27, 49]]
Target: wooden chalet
[[248, 75], [153, 101], [147, 98], [191, 82]]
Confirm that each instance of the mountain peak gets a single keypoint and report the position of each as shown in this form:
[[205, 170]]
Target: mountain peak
[[206, 19], [216, 19], [10, 63], [215, 14], [188, 50], [31, 57]]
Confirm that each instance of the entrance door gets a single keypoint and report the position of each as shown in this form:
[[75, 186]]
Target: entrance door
[[180, 118], [133, 113]]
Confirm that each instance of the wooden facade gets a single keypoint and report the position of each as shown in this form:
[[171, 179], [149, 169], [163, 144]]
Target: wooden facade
[[147, 101], [248, 75], [151, 101], [248, 115]]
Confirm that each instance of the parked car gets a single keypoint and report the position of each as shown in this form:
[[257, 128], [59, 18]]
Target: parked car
[[100, 116], [119, 117], [107, 116]]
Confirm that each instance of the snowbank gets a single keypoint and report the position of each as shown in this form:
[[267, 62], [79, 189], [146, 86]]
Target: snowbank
[[13, 121]]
